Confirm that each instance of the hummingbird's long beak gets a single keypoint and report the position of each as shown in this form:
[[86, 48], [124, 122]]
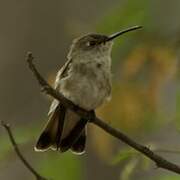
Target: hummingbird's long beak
[[111, 37]]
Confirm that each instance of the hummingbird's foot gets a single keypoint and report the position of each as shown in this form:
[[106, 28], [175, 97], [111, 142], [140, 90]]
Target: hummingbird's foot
[[92, 116]]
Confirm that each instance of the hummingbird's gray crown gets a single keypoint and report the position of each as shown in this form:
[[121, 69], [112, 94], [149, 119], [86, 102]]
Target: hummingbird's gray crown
[[90, 45], [90, 40]]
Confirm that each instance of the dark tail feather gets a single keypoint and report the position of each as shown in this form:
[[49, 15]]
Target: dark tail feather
[[64, 130], [79, 146], [74, 137], [52, 132], [61, 120]]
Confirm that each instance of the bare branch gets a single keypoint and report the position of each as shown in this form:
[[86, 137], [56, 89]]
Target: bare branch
[[11, 137], [160, 161]]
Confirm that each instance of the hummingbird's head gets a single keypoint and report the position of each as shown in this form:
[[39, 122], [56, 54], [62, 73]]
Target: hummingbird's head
[[95, 44], [89, 45]]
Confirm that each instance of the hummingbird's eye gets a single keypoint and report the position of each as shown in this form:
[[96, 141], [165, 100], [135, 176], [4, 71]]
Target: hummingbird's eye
[[90, 43]]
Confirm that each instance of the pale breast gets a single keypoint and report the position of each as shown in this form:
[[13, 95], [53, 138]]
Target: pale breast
[[87, 85]]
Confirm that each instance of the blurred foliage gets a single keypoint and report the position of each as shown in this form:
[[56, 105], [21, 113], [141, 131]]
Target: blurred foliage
[[22, 136], [60, 167], [123, 155], [131, 161], [135, 97], [101, 143], [142, 68], [131, 13], [128, 169], [172, 177], [178, 110]]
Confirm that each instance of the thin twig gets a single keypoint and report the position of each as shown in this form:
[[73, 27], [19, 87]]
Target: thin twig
[[160, 161], [19, 154]]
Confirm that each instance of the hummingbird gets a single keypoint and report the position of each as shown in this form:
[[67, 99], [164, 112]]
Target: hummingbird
[[85, 79]]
